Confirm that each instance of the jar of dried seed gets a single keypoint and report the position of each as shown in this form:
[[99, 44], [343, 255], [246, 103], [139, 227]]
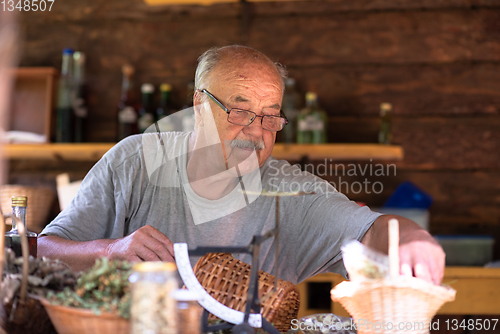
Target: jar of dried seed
[[153, 310]]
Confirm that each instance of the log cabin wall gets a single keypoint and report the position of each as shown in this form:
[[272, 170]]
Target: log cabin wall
[[437, 62]]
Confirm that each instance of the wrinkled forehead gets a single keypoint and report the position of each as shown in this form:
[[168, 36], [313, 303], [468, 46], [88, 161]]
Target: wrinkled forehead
[[235, 71]]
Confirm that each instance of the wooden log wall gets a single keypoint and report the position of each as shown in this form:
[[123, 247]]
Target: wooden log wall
[[436, 61]]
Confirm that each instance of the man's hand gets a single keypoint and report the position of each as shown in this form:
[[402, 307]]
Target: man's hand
[[420, 255], [145, 244]]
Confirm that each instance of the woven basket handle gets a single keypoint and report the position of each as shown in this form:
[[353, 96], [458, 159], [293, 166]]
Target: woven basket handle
[[394, 248], [24, 249]]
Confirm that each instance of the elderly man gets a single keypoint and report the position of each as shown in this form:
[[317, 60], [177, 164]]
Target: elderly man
[[203, 188]]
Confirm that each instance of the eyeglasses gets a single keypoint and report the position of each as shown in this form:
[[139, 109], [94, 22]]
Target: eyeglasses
[[246, 117]]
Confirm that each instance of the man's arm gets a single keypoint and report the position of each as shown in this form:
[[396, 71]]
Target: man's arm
[[145, 244], [420, 254]]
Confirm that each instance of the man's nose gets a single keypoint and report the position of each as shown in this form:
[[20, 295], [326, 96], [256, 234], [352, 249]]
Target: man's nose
[[255, 128]]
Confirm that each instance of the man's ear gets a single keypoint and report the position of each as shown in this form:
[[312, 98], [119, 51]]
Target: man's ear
[[197, 107]]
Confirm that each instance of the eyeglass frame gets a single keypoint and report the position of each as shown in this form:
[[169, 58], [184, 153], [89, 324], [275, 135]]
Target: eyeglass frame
[[228, 111]]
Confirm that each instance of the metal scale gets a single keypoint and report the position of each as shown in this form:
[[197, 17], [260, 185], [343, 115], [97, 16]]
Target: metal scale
[[240, 322]]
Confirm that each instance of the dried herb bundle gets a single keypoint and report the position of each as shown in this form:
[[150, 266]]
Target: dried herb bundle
[[29, 316], [104, 288], [44, 275]]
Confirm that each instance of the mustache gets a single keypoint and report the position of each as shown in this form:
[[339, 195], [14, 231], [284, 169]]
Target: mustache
[[252, 144]]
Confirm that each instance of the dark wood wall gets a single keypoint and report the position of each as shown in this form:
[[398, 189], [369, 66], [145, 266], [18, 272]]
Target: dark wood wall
[[436, 61]]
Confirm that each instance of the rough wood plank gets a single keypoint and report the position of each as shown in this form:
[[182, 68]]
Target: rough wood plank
[[325, 39], [73, 10], [413, 90]]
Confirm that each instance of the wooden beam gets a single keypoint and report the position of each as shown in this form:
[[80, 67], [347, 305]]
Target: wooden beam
[[338, 152], [94, 151]]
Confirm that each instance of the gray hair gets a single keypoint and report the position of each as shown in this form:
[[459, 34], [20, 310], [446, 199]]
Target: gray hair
[[211, 58]]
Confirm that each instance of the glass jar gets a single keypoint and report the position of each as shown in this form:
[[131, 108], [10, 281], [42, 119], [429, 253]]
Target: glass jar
[[153, 310], [188, 311]]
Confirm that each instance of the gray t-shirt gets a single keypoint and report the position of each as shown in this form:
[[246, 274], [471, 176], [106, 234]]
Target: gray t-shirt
[[143, 180]]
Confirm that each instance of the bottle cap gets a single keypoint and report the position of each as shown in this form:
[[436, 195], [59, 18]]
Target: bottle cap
[[147, 88], [79, 57], [154, 266], [19, 201], [127, 69], [68, 51], [165, 87], [310, 96], [386, 106]]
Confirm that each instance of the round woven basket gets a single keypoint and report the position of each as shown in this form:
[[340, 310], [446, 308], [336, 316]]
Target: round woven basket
[[40, 201], [399, 305], [72, 320], [226, 279]]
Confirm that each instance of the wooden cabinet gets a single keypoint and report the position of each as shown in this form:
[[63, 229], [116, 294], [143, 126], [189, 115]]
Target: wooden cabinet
[[33, 101]]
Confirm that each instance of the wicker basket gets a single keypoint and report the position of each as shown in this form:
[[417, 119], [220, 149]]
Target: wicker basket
[[40, 201], [394, 304], [390, 305], [226, 279], [72, 320]]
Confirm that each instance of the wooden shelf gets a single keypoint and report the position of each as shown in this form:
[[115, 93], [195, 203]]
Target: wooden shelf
[[338, 152], [70, 152], [94, 151]]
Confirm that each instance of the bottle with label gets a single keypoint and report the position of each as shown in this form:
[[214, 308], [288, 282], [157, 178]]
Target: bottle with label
[[165, 112], [311, 122], [65, 113], [385, 132], [79, 105], [146, 113], [290, 107], [12, 237], [127, 114]]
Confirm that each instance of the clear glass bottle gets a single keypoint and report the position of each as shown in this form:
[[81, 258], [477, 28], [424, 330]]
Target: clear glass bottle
[[311, 122], [12, 237], [290, 107], [65, 114], [146, 113], [79, 98], [127, 114], [153, 309], [385, 132], [188, 311]]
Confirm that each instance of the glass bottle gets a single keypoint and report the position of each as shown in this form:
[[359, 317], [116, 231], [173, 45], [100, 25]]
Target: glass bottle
[[12, 237], [189, 312], [311, 122], [127, 115], [64, 125], [385, 132], [290, 107], [146, 114], [153, 309], [165, 112], [79, 105]]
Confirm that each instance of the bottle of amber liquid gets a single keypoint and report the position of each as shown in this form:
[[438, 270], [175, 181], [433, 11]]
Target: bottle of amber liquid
[[12, 237], [127, 114]]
